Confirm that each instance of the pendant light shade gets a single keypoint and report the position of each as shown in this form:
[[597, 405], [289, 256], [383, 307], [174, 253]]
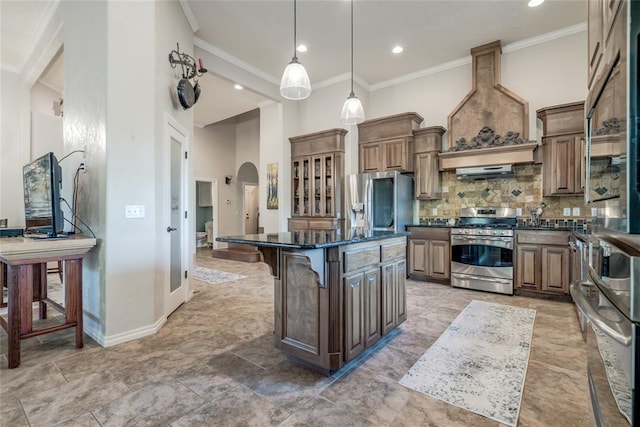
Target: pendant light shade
[[352, 111], [295, 82]]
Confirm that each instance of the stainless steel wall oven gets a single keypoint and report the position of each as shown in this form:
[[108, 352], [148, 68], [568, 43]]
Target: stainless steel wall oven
[[610, 302]]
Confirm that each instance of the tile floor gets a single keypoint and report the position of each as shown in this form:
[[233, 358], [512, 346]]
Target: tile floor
[[213, 363]]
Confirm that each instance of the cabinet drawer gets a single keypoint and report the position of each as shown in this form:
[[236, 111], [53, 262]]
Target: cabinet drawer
[[393, 251], [428, 233], [560, 238], [357, 259]]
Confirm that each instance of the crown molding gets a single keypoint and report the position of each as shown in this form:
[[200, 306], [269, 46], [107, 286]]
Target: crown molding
[[188, 13], [511, 47], [226, 56], [340, 78], [43, 25], [10, 68]]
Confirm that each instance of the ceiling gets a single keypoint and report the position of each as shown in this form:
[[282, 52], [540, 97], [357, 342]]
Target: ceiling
[[259, 34]]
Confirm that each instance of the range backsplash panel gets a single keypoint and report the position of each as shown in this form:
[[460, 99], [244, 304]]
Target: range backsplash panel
[[523, 191]]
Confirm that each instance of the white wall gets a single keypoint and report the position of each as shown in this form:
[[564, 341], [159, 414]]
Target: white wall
[[46, 128], [42, 98], [215, 159], [14, 147], [546, 74]]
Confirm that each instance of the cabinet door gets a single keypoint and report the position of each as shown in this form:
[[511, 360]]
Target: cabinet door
[[401, 292], [610, 14], [372, 307], [563, 165], [427, 182], [305, 186], [370, 155], [395, 155], [329, 186], [528, 266], [418, 256], [388, 298], [354, 302], [296, 187], [595, 42], [317, 186], [555, 269], [439, 261]]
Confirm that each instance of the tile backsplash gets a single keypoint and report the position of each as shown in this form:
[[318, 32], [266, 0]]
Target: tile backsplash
[[524, 191]]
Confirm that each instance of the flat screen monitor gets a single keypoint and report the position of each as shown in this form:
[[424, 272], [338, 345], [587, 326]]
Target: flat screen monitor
[[42, 180]]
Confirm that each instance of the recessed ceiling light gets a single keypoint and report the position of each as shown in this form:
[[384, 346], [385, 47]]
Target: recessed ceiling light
[[237, 86], [534, 3], [301, 48], [397, 49]]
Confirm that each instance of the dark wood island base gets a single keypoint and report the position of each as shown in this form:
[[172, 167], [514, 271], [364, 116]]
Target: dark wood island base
[[337, 298]]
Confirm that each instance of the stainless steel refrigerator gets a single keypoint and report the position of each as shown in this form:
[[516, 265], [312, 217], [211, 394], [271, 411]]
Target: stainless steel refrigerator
[[379, 201]]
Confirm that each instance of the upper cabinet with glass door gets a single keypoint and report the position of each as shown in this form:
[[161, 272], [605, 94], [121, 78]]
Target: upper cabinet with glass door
[[317, 165]]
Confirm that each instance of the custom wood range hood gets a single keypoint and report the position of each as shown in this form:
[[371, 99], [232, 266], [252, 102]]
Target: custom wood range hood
[[490, 126]]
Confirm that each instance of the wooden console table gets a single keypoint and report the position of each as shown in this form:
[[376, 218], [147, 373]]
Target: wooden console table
[[23, 259]]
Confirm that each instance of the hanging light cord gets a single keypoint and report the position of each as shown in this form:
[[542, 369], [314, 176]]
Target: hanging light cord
[[352, 94], [295, 31]]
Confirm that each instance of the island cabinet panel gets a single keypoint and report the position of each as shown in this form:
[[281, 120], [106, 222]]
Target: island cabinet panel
[[529, 265], [332, 303], [301, 322], [354, 301]]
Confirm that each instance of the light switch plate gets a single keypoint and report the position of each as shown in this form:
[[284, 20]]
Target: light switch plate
[[566, 211], [575, 212], [134, 211], [518, 211], [434, 211], [594, 212]]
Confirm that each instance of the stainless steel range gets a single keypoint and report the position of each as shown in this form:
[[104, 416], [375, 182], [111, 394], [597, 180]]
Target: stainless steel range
[[482, 250]]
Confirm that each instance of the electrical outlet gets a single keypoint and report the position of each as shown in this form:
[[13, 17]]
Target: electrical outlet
[[566, 211], [134, 211], [518, 211], [575, 212], [594, 212], [434, 211], [83, 165]]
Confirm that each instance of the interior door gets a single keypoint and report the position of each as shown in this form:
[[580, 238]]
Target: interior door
[[250, 209], [177, 229]]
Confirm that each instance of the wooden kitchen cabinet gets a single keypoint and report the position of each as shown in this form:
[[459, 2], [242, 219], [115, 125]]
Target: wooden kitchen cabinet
[[317, 165], [427, 145], [429, 254], [362, 296], [374, 297], [595, 40], [543, 261], [563, 149], [386, 143]]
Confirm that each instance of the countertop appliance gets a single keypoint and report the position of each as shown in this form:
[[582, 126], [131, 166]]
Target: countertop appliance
[[379, 201], [482, 250], [610, 300], [612, 128]]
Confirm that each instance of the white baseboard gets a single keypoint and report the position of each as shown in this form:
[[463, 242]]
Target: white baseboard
[[108, 341]]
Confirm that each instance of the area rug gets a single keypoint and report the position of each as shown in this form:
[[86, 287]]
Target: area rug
[[480, 362], [212, 276]]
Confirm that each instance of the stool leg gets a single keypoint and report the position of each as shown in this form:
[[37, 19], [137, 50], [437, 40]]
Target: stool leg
[[73, 296], [20, 298], [40, 288]]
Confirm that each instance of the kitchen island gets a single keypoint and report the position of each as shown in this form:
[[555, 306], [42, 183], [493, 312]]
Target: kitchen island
[[336, 292]]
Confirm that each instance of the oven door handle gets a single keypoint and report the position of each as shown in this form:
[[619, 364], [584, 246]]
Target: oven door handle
[[483, 238], [619, 331]]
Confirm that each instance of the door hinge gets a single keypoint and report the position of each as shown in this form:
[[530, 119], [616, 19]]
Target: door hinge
[[185, 274], [185, 214], [186, 155]]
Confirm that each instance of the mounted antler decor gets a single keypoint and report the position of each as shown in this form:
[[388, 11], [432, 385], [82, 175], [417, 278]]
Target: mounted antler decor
[[188, 93]]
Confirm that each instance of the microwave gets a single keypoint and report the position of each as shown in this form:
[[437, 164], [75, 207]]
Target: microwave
[[612, 154]]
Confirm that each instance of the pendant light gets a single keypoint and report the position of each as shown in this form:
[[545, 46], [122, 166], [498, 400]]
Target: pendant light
[[295, 80], [352, 111]]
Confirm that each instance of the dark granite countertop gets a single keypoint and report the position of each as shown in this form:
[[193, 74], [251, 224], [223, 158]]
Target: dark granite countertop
[[518, 227], [312, 239]]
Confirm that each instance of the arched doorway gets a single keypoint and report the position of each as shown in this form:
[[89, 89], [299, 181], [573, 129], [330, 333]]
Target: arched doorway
[[249, 180]]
